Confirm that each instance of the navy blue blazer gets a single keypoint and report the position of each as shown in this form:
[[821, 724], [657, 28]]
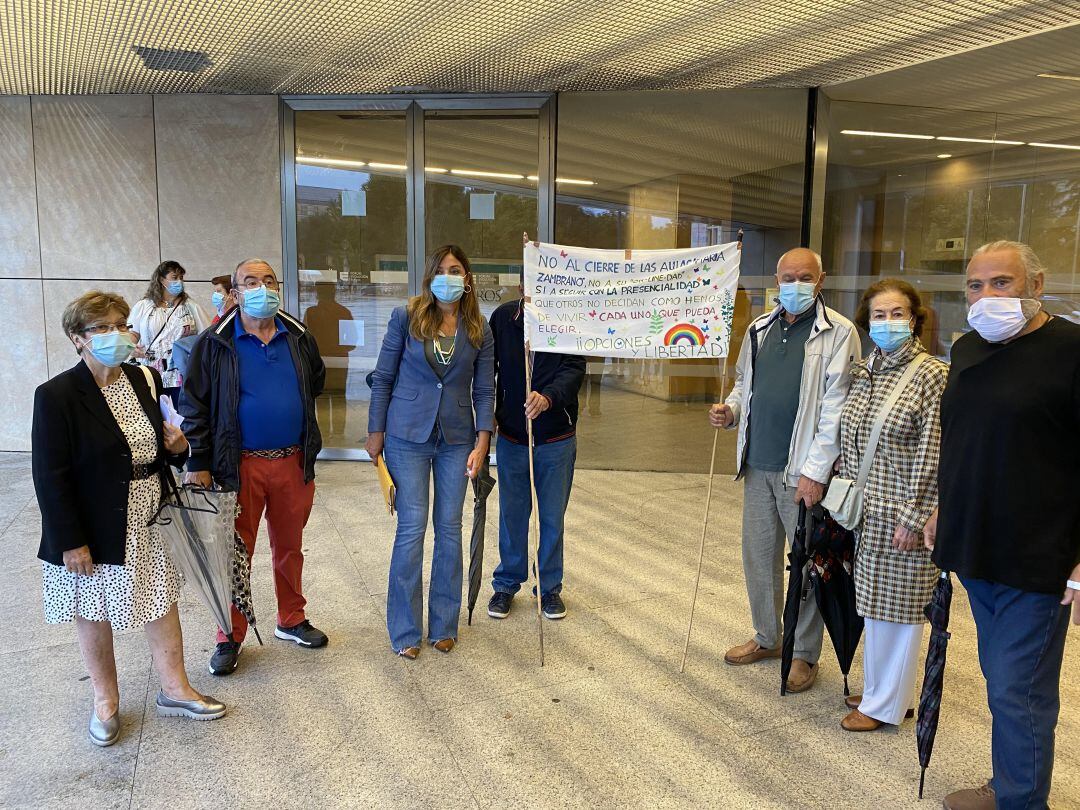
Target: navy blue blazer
[[407, 395]]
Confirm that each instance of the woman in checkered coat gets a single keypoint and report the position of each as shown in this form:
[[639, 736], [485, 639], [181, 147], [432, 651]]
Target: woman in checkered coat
[[893, 572]]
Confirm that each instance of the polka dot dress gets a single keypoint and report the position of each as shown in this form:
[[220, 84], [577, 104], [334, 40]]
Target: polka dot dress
[[146, 586]]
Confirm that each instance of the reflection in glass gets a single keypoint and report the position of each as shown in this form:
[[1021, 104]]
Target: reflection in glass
[[918, 208], [671, 170], [351, 242], [481, 193]]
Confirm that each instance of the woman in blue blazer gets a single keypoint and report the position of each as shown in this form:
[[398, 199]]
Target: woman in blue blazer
[[436, 367]]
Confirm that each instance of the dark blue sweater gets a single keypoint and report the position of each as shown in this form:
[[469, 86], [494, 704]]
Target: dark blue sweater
[[557, 376]]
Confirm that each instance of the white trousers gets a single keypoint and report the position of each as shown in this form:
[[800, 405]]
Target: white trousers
[[891, 655]]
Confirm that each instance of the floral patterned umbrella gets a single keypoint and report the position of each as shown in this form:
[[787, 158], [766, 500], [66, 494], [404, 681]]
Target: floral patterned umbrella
[[241, 583], [832, 550]]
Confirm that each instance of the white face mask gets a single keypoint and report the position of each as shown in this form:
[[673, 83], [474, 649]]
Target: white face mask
[[998, 319]]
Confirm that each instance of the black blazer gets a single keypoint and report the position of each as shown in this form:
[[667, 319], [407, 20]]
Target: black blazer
[[82, 464]]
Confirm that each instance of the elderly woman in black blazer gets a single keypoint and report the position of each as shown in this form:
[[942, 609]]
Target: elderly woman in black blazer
[[100, 453]]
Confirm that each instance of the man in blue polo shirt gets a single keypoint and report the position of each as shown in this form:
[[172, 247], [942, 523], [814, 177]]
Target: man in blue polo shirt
[[249, 414]]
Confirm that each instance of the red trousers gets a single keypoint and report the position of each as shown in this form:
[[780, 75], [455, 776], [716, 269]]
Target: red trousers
[[276, 487]]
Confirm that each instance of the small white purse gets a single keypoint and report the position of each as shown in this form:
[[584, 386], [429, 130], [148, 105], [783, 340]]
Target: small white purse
[[844, 498]]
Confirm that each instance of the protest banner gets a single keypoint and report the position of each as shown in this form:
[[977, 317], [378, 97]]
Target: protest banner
[[637, 304], [642, 304]]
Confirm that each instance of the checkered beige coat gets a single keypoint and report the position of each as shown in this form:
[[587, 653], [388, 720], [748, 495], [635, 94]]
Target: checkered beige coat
[[893, 585]]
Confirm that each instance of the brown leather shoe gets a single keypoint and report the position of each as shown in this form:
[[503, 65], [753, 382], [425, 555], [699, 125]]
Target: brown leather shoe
[[749, 653], [980, 798], [802, 676], [854, 701], [444, 645], [409, 652], [857, 721]]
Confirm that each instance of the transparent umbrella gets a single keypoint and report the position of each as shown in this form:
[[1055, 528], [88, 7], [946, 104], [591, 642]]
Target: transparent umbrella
[[197, 526]]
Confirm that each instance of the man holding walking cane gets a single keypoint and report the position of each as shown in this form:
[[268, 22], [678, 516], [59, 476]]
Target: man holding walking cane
[[793, 372], [552, 405]]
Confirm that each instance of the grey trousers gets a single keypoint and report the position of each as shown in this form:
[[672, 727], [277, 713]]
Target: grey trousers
[[770, 512]]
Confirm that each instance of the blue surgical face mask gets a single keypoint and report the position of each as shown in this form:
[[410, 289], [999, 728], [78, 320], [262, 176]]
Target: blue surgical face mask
[[110, 349], [797, 297], [891, 334], [260, 302], [448, 289], [174, 287], [219, 301]]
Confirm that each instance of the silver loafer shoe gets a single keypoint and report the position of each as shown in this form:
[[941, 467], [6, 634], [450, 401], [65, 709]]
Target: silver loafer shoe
[[205, 709], [104, 732]]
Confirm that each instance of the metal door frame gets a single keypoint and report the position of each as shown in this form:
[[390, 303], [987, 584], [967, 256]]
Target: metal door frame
[[414, 108]]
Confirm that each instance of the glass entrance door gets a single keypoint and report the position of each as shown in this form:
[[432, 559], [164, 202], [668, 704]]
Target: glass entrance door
[[372, 188]]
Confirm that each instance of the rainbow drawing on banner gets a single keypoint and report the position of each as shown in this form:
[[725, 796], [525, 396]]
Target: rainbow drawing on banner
[[685, 333]]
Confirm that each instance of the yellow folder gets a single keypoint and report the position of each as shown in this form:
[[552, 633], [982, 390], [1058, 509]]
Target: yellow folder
[[389, 491]]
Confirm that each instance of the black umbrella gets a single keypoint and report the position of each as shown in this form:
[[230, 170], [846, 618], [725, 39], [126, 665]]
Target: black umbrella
[[832, 555], [930, 700], [796, 592], [481, 486], [241, 583]]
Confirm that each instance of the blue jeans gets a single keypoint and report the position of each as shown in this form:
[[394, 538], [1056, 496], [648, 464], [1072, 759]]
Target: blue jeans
[[1021, 646], [411, 465], [554, 467]]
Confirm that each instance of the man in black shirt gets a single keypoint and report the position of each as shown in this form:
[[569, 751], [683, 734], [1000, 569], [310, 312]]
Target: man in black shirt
[[552, 405], [1009, 515]]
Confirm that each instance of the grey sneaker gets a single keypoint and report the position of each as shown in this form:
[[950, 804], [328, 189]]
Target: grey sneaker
[[223, 661], [303, 634]]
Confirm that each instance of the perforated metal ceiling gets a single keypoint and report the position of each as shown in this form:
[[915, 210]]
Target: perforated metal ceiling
[[360, 46]]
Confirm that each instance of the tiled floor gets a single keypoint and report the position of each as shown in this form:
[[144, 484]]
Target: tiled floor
[[608, 721]]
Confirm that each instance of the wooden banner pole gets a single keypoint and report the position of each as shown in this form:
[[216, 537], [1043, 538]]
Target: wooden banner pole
[[534, 520], [708, 502]]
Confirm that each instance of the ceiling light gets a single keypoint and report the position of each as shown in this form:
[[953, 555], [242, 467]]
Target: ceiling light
[[980, 140], [1064, 76], [394, 167], [1055, 145], [319, 161], [944, 156], [887, 134], [568, 180], [433, 170], [500, 175]]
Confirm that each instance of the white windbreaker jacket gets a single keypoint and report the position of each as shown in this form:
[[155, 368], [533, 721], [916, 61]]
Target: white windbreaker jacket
[[832, 347]]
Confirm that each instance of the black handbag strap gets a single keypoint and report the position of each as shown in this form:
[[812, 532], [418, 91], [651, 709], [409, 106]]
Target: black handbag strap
[[168, 318]]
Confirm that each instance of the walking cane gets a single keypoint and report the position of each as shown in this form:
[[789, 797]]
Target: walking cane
[[708, 502]]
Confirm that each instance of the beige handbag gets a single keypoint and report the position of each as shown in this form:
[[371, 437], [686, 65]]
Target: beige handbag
[[844, 498]]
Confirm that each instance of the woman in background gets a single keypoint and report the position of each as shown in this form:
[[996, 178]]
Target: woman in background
[[164, 315]]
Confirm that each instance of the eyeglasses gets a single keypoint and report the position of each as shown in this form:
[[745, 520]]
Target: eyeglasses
[[105, 328]]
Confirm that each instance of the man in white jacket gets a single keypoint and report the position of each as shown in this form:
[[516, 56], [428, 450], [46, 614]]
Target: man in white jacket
[[790, 384]]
